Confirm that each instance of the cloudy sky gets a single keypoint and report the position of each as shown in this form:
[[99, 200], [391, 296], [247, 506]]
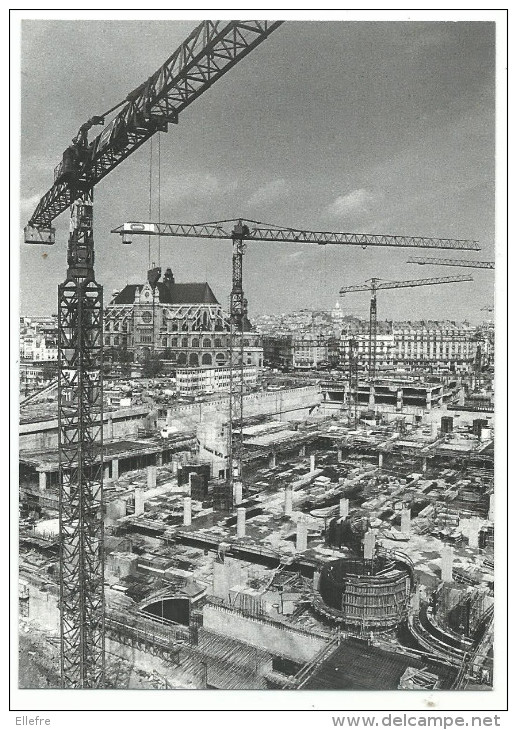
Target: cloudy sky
[[375, 127]]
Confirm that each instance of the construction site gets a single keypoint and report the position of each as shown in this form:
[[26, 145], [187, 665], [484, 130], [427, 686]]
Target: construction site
[[320, 531]]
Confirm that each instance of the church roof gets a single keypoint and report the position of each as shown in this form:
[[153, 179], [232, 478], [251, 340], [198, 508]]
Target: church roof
[[191, 293]]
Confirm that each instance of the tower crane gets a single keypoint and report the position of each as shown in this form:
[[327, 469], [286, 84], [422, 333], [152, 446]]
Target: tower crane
[[452, 262], [373, 285], [211, 50], [243, 232]]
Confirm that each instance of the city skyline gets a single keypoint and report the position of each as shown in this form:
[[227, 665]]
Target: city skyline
[[426, 146]]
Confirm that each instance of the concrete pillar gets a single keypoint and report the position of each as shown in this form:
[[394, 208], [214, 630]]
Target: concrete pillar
[[110, 428], [174, 467], [400, 399], [288, 501], [434, 429], [272, 460], [316, 580], [339, 454], [415, 601], [219, 580], [42, 481], [237, 492], [159, 458], [139, 501], [369, 545], [428, 400], [343, 507], [301, 536], [447, 558], [312, 463], [424, 464], [151, 477], [405, 521], [491, 508], [302, 451], [187, 511], [114, 469], [106, 473], [241, 521], [473, 534], [381, 459], [371, 397]]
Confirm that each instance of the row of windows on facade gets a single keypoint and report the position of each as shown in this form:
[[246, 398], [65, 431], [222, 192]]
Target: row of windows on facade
[[184, 342], [203, 325], [399, 349]]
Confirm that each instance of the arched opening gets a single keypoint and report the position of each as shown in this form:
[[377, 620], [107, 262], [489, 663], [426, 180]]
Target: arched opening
[[206, 342], [193, 360], [176, 610], [220, 358], [182, 358], [206, 359]]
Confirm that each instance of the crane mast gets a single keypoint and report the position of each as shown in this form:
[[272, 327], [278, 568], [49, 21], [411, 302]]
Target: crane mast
[[353, 364], [206, 55], [373, 285]]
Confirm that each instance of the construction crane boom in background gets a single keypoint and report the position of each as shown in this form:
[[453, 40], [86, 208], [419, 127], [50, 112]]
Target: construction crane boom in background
[[206, 55], [452, 262], [241, 231], [373, 285], [257, 231]]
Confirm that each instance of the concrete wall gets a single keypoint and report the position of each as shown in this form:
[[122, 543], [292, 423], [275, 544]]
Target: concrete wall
[[43, 610], [43, 434], [460, 418], [274, 638], [290, 404]]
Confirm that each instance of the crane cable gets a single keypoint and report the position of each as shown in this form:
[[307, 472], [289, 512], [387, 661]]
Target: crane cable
[[150, 201], [159, 196]]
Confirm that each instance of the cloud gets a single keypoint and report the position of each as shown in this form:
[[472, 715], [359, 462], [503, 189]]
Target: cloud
[[269, 193], [27, 204], [358, 201], [192, 186]]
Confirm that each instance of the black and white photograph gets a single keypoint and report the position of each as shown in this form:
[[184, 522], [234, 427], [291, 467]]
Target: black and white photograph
[[256, 292]]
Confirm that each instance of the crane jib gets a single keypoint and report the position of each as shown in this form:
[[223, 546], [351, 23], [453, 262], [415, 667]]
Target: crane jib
[[256, 231], [207, 54]]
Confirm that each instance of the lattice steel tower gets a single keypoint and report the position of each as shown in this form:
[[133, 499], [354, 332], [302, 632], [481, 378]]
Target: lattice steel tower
[[238, 319], [80, 458]]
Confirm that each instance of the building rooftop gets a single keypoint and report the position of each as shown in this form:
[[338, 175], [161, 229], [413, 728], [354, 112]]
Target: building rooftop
[[171, 293]]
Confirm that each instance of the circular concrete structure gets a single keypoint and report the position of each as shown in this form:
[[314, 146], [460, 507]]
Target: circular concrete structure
[[369, 595]]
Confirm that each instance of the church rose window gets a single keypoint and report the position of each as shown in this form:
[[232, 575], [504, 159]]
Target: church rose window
[[146, 317]]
